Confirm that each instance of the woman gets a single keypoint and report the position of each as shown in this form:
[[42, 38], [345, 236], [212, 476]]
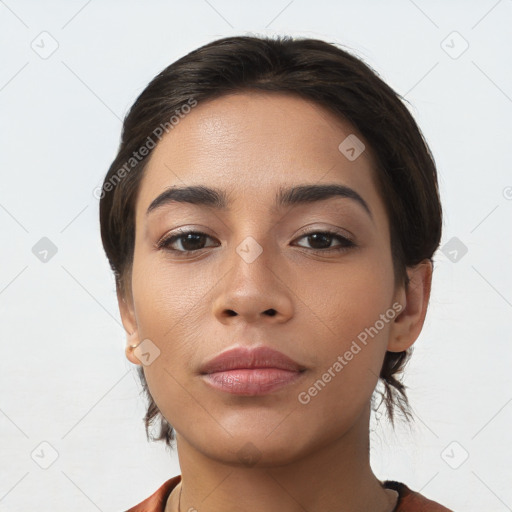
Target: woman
[[270, 218]]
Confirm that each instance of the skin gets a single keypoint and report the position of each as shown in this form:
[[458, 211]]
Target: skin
[[312, 456]]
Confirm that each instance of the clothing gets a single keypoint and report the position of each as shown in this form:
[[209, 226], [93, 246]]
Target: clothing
[[408, 500]]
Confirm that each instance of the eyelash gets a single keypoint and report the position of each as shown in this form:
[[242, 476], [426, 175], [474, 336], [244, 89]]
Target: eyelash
[[165, 242]]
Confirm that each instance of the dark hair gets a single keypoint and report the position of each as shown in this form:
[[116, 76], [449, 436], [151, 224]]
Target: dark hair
[[313, 70]]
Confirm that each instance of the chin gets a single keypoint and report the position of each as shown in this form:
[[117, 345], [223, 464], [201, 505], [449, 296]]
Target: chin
[[255, 448]]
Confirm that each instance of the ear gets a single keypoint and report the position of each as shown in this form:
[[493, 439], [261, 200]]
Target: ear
[[129, 321], [414, 299]]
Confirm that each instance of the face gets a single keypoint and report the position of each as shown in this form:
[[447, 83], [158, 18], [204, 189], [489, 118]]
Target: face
[[312, 279]]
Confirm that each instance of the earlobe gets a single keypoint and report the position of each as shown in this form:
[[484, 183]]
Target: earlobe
[[409, 322], [132, 342]]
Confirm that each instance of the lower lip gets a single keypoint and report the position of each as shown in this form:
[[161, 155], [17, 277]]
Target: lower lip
[[257, 381]]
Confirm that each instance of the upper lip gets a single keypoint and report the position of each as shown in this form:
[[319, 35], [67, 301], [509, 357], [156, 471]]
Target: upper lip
[[244, 357]]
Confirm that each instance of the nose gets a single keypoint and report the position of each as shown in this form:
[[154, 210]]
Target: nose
[[254, 291]]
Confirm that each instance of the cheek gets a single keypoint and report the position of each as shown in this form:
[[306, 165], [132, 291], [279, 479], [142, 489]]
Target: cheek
[[166, 293], [169, 306], [342, 312], [350, 341], [340, 301]]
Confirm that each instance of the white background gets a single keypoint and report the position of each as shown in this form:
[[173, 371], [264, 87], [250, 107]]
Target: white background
[[65, 379]]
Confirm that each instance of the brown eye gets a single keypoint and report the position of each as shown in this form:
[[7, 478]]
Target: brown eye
[[185, 242], [322, 240]]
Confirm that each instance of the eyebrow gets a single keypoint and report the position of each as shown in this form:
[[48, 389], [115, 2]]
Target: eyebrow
[[215, 198]]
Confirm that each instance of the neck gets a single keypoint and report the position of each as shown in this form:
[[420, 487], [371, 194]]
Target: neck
[[334, 477]]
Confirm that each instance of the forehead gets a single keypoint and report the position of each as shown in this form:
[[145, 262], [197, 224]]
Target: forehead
[[251, 144]]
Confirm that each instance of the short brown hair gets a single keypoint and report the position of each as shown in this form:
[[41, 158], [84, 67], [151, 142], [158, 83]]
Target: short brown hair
[[314, 70]]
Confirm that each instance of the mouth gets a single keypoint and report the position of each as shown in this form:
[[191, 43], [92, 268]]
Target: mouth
[[257, 371]]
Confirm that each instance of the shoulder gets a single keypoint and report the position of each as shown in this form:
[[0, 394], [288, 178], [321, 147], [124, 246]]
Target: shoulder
[[156, 502], [412, 501]]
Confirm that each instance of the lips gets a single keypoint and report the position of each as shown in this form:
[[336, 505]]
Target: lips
[[250, 358], [251, 372]]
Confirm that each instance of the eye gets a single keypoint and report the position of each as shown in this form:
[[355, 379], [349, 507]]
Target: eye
[[184, 242], [321, 241]]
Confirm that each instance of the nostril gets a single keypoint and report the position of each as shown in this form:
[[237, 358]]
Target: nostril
[[271, 312]]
